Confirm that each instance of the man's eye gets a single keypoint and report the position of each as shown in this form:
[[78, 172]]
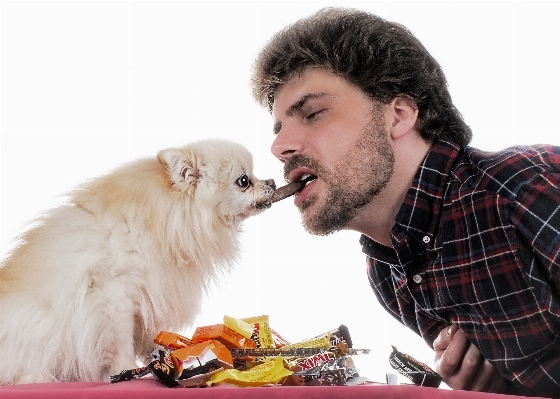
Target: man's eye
[[313, 114], [243, 181]]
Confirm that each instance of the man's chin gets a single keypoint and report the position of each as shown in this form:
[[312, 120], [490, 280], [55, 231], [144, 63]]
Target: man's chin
[[320, 225]]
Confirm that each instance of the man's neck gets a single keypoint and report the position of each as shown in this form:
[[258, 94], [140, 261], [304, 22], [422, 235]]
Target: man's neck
[[376, 220]]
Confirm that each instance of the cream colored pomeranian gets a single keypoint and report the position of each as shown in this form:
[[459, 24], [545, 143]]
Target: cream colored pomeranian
[[91, 285]]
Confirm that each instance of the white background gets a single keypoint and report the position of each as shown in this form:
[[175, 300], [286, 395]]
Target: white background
[[88, 86]]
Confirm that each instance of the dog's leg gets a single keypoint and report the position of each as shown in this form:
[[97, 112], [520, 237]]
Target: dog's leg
[[113, 313]]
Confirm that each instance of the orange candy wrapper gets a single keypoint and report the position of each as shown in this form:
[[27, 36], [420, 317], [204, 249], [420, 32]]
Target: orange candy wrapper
[[172, 340], [221, 333], [194, 357]]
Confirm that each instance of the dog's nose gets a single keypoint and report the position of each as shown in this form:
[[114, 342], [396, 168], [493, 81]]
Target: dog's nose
[[271, 183]]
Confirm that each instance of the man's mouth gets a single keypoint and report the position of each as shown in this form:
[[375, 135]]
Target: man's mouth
[[306, 178], [293, 188]]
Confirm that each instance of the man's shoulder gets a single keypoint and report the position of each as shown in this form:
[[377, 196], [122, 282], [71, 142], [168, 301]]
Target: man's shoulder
[[505, 172]]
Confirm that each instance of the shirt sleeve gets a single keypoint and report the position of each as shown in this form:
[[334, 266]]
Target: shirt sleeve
[[535, 216]]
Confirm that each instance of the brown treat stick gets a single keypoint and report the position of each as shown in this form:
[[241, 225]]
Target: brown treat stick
[[290, 189]]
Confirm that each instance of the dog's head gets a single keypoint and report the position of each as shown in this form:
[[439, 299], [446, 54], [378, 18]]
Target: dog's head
[[218, 174]]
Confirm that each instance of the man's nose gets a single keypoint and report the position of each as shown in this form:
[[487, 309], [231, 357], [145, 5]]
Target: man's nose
[[288, 142]]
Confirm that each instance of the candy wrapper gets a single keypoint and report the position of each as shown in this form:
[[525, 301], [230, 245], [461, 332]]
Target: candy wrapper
[[269, 372], [172, 340], [247, 352], [161, 368], [170, 367], [202, 358], [331, 372], [219, 332], [417, 372], [261, 331]]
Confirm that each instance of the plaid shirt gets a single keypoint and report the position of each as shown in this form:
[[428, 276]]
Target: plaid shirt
[[476, 243]]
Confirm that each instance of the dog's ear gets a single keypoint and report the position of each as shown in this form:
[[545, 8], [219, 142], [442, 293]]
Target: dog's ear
[[181, 167]]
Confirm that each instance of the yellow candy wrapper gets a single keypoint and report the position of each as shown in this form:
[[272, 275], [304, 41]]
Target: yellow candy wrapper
[[261, 331], [239, 326], [321, 342], [270, 372]]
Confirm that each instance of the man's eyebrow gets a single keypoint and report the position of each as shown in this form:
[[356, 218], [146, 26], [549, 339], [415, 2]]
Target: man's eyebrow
[[296, 107]]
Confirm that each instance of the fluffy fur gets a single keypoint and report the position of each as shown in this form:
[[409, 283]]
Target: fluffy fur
[[130, 254]]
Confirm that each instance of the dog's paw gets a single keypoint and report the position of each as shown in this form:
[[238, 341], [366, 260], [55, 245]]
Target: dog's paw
[[33, 378]]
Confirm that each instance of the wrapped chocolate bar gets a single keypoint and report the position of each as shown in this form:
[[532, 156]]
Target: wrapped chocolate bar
[[172, 341], [277, 339], [261, 331], [174, 367], [254, 328], [127, 375], [222, 333], [161, 367], [417, 372], [269, 372], [332, 372], [199, 359], [338, 335]]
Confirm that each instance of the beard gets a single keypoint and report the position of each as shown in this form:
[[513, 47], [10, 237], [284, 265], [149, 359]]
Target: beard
[[360, 176]]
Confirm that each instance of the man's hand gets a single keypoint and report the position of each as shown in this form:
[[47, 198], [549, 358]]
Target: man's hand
[[462, 366]]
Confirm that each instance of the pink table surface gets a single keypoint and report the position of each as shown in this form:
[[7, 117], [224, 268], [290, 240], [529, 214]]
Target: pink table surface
[[149, 388]]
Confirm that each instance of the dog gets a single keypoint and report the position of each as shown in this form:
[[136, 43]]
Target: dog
[[130, 254]]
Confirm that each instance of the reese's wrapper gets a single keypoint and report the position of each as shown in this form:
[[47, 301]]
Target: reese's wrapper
[[172, 340], [417, 372], [202, 358], [278, 340], [222, 333]]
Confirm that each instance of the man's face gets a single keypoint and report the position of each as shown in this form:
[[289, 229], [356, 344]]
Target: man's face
[[330, 129]]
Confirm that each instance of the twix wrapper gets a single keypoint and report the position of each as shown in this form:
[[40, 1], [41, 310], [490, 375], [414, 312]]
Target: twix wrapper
[[417, 372]]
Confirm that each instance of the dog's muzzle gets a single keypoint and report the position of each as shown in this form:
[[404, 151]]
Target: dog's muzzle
[[270, 183], [268, 203]]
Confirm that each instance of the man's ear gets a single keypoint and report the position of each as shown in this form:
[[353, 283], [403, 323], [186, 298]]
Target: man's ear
[[401, 115], [180, 165]]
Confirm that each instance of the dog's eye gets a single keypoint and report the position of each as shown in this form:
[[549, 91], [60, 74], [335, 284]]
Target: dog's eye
[[243, 181]]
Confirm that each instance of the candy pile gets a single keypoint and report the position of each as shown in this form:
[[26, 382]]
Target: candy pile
[[247, 352]]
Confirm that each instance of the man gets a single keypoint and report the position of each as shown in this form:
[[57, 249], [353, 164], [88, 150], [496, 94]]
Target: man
[[462, 246]]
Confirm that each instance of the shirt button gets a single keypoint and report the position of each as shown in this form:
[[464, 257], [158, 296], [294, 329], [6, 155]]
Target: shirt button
[[426, 239], [417, 278]]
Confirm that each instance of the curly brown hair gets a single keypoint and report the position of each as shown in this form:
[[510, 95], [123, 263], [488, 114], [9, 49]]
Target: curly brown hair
[[382, 58]]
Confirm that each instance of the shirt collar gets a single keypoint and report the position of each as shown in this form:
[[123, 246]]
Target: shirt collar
[[420, 209]]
